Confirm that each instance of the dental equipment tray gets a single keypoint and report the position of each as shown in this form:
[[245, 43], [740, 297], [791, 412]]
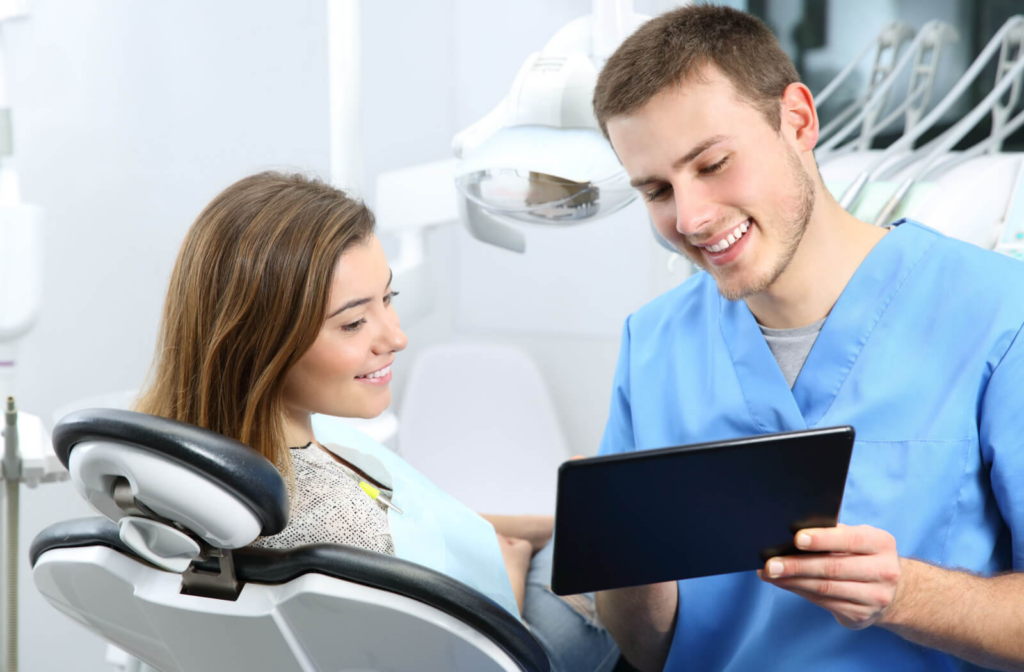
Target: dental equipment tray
[[698, 510]]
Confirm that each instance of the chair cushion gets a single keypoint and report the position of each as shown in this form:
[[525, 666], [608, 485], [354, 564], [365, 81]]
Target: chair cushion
[[236, 467], [347, 563]]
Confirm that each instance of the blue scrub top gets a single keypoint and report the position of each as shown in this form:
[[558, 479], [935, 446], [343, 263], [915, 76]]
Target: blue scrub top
[[921, 354]]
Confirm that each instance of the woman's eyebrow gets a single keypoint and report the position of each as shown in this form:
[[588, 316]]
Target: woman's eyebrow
[[359, 302], [351, 304]]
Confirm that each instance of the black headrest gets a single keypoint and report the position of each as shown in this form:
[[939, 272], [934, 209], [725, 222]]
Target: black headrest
[[258, 565], [234, 466]]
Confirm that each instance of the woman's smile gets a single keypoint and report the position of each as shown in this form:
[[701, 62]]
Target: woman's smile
[[378, 377]]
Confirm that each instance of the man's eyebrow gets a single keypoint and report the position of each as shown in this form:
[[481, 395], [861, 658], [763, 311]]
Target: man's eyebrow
[[359, 302], [699, 149], [696, 151]]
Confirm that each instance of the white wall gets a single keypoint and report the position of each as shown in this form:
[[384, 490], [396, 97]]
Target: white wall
[[129, 117], [464, 56]]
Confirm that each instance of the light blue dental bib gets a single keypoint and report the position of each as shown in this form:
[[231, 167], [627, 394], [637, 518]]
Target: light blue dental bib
[[434, 529]]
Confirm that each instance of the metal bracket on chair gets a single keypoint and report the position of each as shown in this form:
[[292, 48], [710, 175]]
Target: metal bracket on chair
[[125, 500], [220, 585]]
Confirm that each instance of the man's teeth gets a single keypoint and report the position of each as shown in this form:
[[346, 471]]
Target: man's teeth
[[377, 374], [734, 235]]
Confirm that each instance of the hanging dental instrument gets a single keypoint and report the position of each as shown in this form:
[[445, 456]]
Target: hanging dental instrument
[[924, 52], [1010, 73], [887, 46]]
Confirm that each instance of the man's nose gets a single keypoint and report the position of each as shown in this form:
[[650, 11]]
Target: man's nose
[[694, 212]]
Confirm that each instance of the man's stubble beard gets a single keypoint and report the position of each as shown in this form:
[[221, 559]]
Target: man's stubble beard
[[791, 233]]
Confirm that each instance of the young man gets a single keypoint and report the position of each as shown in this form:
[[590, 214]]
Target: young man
[[915, 344]]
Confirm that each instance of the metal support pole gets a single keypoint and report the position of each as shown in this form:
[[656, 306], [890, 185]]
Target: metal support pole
[[12, 479]]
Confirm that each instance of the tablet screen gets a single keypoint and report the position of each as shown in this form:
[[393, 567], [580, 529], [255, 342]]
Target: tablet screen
[[679, 513]]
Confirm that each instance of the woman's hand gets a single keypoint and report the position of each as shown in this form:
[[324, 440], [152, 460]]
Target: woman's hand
[[516, 553], [535, 530]]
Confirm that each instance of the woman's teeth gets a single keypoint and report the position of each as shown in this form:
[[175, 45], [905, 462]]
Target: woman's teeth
[[726, 243], [377, 374]]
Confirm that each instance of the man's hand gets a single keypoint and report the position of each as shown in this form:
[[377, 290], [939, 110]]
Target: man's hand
[[855, 573]]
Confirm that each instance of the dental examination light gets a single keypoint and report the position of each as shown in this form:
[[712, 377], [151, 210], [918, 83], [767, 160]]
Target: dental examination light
[[27, 454], [539, 157]]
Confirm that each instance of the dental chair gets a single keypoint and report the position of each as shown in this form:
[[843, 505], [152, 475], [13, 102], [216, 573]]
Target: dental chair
[[165, 574]]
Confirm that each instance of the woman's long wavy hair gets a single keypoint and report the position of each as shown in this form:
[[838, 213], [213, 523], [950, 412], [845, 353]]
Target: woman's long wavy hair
[[248, 297]]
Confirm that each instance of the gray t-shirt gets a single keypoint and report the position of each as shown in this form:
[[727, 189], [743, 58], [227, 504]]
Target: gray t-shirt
[[791, 347]]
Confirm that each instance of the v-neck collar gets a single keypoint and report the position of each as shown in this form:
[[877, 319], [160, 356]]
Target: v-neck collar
[[849, 325]]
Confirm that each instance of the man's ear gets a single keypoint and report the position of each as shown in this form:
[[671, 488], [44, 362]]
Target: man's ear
[[799, 116]]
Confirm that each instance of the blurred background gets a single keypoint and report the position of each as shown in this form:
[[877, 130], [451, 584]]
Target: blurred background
[[129, 117]]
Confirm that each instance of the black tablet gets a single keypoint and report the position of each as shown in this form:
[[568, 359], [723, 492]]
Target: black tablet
[[679, 513]]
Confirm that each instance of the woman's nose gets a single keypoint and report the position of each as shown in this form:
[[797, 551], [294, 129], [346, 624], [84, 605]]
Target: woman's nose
[[398, 339], [393, 338]]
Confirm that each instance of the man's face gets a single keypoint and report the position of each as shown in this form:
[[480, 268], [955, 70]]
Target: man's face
[[720, 183]]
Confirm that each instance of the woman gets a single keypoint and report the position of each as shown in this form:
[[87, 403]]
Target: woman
[[280, 307]]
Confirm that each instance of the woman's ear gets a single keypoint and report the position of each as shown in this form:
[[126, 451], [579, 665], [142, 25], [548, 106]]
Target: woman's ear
[[799, 115]]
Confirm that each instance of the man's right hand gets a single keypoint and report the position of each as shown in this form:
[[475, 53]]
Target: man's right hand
[[642, 621]]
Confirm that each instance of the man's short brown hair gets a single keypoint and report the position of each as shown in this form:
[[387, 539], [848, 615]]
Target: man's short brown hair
[[676, 47]]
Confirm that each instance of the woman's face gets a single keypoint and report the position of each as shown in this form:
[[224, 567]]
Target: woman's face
[[347, 371]]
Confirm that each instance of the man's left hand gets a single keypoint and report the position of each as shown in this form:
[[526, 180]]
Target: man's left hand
[[855, 573]]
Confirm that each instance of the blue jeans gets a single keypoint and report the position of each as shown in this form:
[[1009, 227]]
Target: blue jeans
[[566, 627]]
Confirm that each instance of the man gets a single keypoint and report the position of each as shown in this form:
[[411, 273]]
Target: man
[[915, 344]]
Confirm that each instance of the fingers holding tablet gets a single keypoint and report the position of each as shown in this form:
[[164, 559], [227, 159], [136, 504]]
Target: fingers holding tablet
[[853, 572]]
